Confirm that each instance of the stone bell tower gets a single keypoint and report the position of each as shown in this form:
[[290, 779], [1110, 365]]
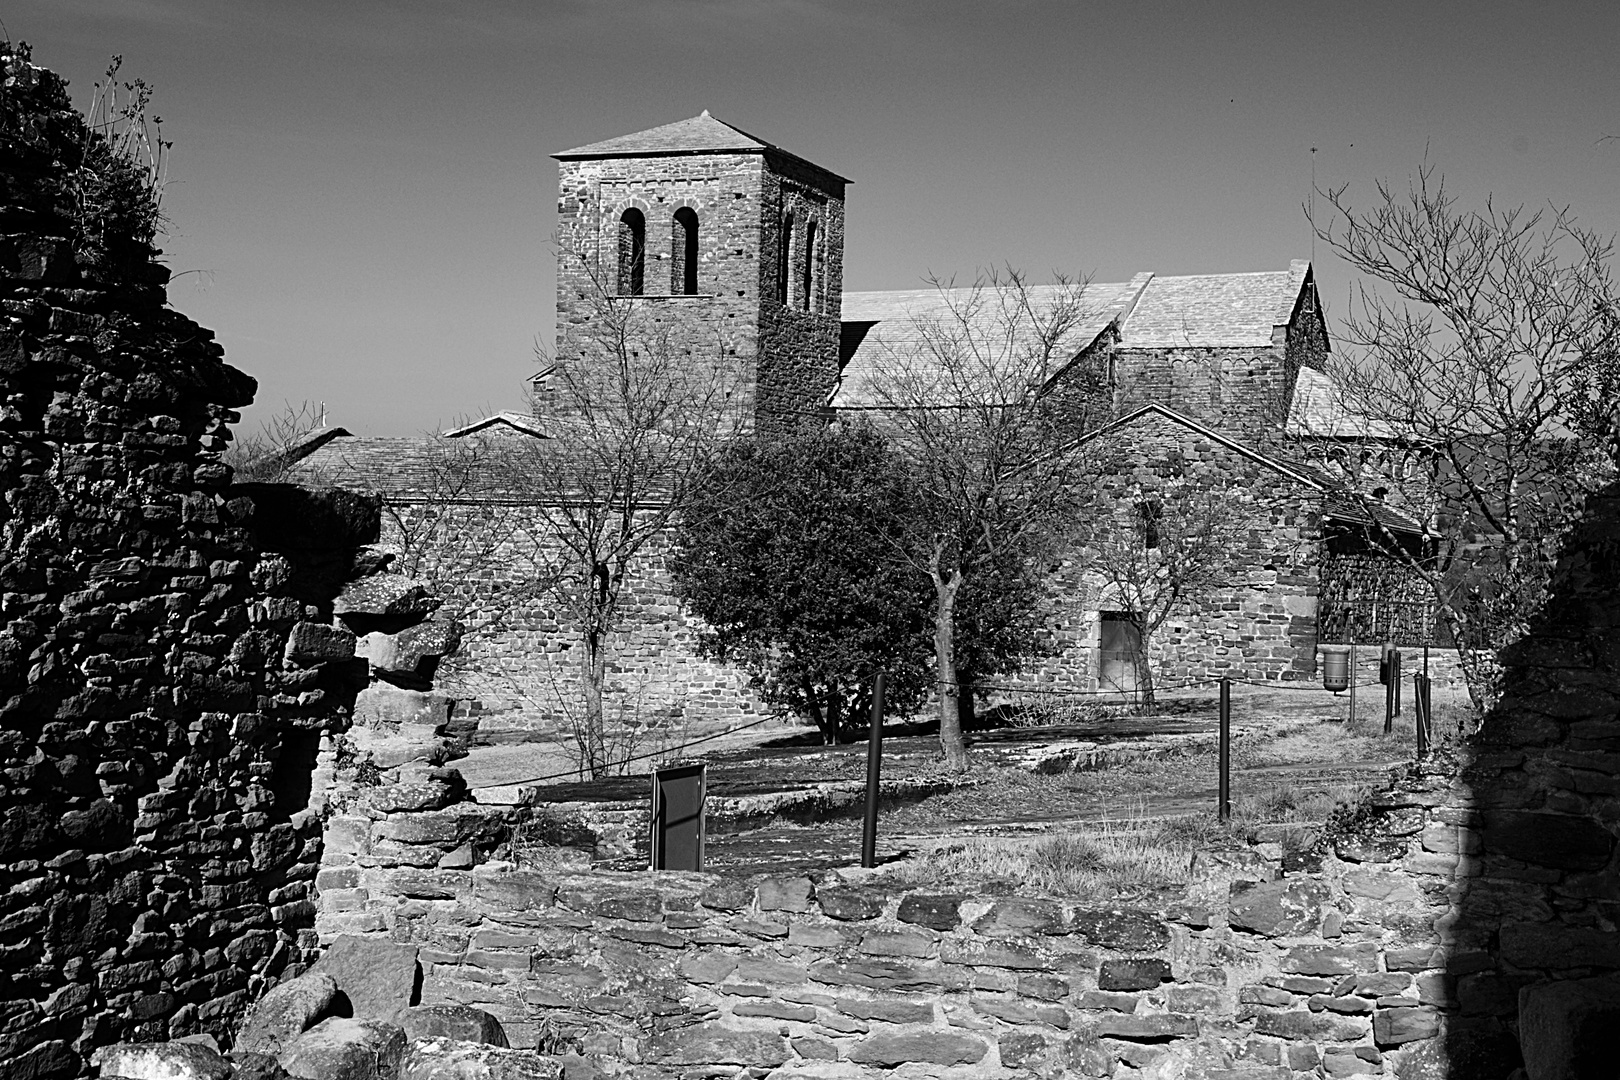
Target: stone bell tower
[[734, 246]]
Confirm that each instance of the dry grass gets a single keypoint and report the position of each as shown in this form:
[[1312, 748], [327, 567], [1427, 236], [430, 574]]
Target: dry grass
[[1115, 858], [1123, 858]]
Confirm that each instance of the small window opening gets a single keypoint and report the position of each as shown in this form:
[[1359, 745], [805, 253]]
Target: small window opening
[[632, 252], [1380, 493], [809, 265], [292, 775], [683, 248], [1149, 515], [784, 259]]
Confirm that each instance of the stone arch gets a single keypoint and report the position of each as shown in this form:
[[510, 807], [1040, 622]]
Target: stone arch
[[632, 252], [683, 251]]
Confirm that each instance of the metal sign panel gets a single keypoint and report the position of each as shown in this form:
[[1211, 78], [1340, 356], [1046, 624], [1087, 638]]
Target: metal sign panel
[[677, 817]]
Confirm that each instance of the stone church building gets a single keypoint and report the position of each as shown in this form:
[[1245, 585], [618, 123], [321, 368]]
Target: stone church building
[[735, 246]]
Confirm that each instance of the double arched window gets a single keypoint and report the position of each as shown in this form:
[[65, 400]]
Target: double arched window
[[632, 252], [683, 252]]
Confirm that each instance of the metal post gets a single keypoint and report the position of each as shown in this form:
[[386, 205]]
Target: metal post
[[1355, 677], [1390, 683], [874, 769], [1419, 721], [1224, 796], [1395, 677]]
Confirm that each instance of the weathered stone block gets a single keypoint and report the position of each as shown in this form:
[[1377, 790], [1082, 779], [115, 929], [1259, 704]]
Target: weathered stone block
[[1102, 999], [937, 912], [1331, 959], [885, 975], [451, 1059], [1556, 840], [461, 1023], [994, 954], [378, 976], [1016, 916], [1019, 1050], [286, 1011], [317, 643], [785, 894], [513, 890], [1558, 946], [896, 943], [849, 902], [812, 1048], [343, 1048], [1022, 1012], [1567, 1029], [170, 1061], [1392, 1027], [1278, 908], [932, 1047], [386, 594], [890, 1012], [778, 1010], [714, 1044], [1133, 974], [1316, 1027], [1146, 1026], [1123, 929]]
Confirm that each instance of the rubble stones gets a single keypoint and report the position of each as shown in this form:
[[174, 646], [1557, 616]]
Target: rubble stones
[[162, 1061], [344, 1048], [1278, 908], [377, 976], [285, 1012], [386, 595]]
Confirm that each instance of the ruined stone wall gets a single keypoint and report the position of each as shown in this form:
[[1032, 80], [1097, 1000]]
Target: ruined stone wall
[[165, 670]]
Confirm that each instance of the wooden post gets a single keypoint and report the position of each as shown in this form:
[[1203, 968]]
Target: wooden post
[[1224, 794], [1419, 722], [874, 769]]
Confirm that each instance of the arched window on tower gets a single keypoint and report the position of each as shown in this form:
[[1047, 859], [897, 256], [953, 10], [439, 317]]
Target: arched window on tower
[[632, 252], [683, 249], [807, 298], [784, 259]]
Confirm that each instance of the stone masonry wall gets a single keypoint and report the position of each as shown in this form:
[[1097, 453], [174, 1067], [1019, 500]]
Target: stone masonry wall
[[1459, 922], [1243, 392], [517, 663], [1258, 625], [165, 670]]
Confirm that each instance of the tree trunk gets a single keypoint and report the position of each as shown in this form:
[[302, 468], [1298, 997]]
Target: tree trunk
[[964, 700], [813, 702], [1144, 670], [592, 738], [835, 715], [950, 717]]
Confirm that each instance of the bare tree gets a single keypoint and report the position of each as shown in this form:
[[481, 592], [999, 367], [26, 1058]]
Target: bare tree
[[270, 452], [637, 414], [970, 393], [1466, 356], [1161, 548]]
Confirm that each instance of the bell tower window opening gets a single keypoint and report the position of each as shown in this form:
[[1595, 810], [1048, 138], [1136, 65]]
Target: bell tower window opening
[[683, 249], [807, 299], [632, 252], [784, 260]]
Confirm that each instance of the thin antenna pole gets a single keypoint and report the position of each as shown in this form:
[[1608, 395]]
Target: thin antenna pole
[[1312, 198]]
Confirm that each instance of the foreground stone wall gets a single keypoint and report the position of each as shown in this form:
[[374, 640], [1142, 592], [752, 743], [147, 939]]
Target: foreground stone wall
[[165, 668]]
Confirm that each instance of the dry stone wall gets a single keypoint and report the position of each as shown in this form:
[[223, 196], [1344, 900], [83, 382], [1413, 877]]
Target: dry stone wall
[[166, 664]]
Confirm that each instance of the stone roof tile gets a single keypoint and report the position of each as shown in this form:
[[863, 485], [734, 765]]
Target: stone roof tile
[[699, 134], [1214, 310]]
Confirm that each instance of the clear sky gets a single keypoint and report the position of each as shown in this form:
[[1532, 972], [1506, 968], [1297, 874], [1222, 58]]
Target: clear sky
[[365, 189]]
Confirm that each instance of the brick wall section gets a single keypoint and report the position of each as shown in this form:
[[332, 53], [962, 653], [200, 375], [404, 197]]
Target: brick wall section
[[163, 677]]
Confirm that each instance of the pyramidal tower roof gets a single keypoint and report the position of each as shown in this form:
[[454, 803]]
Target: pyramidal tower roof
[[700, 134]]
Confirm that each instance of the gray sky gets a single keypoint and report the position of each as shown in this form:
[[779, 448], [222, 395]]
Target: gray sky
[[366, 190]]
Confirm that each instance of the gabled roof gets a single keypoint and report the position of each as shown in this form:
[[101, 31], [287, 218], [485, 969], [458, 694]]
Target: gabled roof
[[1338, 502], [1319, 410], [1215, 310], [524, 423], [881, 325], [471, 463], [1246, 310]]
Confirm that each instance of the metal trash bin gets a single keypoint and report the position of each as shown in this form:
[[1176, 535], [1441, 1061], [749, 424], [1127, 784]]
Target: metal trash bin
[[1335, 666]]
